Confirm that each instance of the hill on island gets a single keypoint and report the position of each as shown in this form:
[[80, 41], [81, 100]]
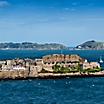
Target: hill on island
[[91, 45], [35, 46]]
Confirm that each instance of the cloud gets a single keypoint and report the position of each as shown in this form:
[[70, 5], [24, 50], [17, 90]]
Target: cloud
[[4, 4]]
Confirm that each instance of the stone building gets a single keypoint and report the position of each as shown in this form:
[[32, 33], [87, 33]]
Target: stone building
[[91, 65], [70, 61], [47, 63], [60, 58]]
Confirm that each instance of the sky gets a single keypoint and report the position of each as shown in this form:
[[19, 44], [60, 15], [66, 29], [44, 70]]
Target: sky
[[69, 22]]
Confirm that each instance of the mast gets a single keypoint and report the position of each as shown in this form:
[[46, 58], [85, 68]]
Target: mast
[[101, 61]]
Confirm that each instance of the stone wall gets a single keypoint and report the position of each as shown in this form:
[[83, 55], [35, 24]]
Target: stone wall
[[62, 58]]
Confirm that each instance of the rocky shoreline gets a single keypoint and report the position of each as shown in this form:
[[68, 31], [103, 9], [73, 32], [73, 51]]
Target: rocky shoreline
[[25, 74]]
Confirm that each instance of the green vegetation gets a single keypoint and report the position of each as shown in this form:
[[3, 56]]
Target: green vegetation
[[61, 69], [91, 70]]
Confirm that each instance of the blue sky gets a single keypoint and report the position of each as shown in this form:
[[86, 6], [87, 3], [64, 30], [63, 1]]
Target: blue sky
[[70, 22]]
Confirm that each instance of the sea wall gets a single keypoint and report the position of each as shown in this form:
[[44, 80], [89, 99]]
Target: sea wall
[[26, 74], [14, 74]]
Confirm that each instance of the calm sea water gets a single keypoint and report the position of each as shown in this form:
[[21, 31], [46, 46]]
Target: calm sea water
[[52, 91], [60, 91], [91, 55]]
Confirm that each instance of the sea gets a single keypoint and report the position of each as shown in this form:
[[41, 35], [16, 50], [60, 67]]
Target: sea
[[53, 91]]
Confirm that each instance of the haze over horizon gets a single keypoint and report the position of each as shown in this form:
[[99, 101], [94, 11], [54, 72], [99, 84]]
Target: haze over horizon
[[69, 22]]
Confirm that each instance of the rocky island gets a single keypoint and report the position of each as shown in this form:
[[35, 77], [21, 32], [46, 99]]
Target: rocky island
[[91, 45], [50, 66], [32, 46]]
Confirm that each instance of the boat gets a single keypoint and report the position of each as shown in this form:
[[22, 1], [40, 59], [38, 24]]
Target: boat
[[101, 61]]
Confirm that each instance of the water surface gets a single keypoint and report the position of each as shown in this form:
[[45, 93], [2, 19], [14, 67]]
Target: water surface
[[59, 91]]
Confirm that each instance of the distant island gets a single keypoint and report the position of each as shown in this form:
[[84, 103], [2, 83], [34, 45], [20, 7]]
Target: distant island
[[88, 45], [31, 46], [91, 45]]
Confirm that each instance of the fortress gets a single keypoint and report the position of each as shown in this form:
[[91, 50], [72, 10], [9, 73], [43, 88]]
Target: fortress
[[56, 63]]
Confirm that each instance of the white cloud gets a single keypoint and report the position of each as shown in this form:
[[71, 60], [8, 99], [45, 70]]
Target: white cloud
[[4, 4]]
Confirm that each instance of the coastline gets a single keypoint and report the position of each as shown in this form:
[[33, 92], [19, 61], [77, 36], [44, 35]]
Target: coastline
[[51, 76], [75, 49], [49, 67]]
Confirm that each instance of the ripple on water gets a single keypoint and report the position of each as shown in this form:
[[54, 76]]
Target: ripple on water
[[59, 91]]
